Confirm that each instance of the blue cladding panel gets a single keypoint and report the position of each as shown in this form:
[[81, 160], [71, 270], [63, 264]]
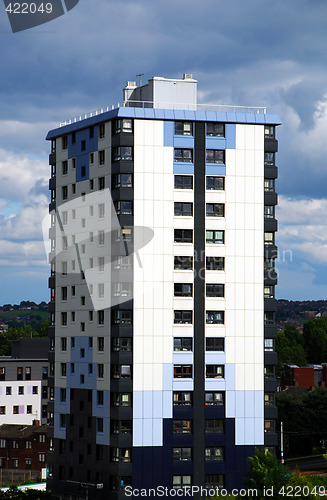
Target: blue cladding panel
[[240, 404], [183, 358], [230, 132], [182, 168], [215, 357], [249, 397], [258, 430], [81, 365], [82, 157], [138, 404], [147, 404], [168, 370], [137, 432], [216, 143], [167, 404], [169, 133], [157, 404], [101, 411], [214, 170], [259, 404], [183, 141]]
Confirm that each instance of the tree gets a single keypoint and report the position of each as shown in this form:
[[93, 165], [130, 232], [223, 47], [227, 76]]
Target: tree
[[290, 347], [315, 340], [266, 471]]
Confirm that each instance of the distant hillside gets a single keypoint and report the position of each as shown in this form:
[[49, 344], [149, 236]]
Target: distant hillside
[[26, 313], [298, 311]]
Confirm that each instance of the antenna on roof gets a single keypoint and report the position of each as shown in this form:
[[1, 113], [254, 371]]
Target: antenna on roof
[[140, 77]]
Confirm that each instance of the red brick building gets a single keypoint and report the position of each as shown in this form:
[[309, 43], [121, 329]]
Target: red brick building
[[23, 447]]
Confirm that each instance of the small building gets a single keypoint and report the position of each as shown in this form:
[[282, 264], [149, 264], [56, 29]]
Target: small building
[[24, 382], [23, 452]]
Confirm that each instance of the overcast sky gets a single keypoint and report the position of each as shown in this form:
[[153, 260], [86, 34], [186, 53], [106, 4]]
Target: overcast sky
[[241, 52]]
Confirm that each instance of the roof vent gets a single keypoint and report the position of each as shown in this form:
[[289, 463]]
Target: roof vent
[[187, 76], [131, 84]]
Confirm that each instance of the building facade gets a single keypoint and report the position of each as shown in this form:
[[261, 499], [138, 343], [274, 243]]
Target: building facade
[[162, 293], [24, 382]]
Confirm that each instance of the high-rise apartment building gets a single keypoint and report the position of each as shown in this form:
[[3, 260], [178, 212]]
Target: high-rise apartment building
[[162, 293]]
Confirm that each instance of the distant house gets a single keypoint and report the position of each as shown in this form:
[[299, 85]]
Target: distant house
[[23, 452], [307, 376]]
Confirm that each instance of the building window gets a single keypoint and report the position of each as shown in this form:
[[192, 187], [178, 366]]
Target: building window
[[183, 289], [122, 153], [63, 395], [183, 181], [215, 237], [64, 342], [269, 132], [83, 145], [101, 183], [215, 290], [82, 326], [91, 157], [100, 344], [121, 455], [269, 264], [183, 128], [269, 425], [123, 125], [183, 155], [269, 317], [64, 167], [20, 390], [101, 157], [28, 445], [215, 344], [122, 316], [182, 454], [183, 235], [101, 237], [214, 481], [121, 399], [215, 183], [2, 373], [8, 390], [183, 317], [215, 317], [2, 410], [182, 398], [182, 371], [101, 317], [41, 457], [269, 159], [269, 238], [269, 185], [269, 398], [63, 293], [64, 141], [72, 342], [100, 370], [15, 444], [123, 262], [62, 420], [29, 409], [183, 263], [63, 369], [28, 373], [215, 156], [182, 426], [215, 129], [122, 289], [214, 371], [269, 211], [182, 482], [214, 426], [15, 463], [183, 344], [269, 292], [183, 209], [215, 263], [269, 345], [19, 373], [269, 371], [102, 130], [214, 453], [124, 207], [215, 209], [121, 371], [214, 398], [122, 181], [121, 344], [64, 192]]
